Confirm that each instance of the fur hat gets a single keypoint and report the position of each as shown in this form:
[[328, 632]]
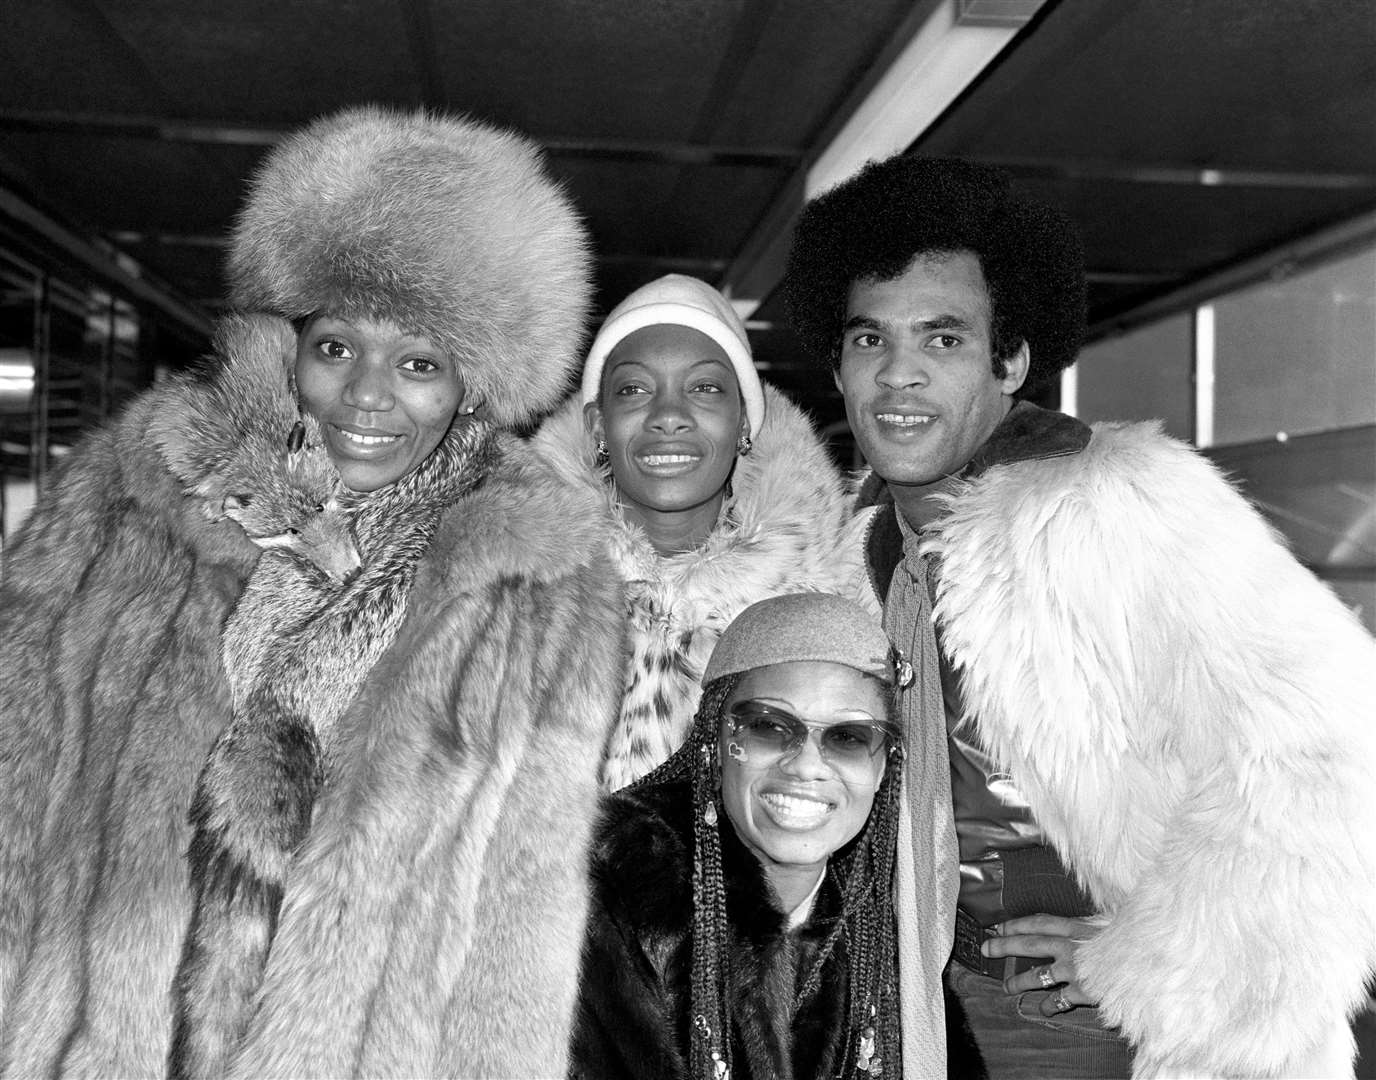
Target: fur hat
[[803, 626], [678, 300], [446, 227]]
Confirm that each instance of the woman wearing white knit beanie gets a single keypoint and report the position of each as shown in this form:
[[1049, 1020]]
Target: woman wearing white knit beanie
[[720, 493]]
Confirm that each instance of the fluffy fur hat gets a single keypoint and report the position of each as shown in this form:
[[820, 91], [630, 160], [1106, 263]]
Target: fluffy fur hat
[[446, 227]]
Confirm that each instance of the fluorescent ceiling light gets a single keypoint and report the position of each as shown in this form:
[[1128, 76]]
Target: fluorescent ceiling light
[[948, 51], [939, 63]]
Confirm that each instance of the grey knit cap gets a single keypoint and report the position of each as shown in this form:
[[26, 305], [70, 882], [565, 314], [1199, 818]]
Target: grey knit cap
[[803, 626]]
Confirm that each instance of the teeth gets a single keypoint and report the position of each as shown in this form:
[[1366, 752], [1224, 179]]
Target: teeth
[[796, 808], [367, 440], [668, 459], [902, 419]]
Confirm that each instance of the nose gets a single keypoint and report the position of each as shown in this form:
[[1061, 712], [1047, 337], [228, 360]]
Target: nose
[[368, 388], [905, 366], [806, 762], [670, 415]]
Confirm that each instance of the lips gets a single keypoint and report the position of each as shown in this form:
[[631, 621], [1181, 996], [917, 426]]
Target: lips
[[362, 442], [794, 811], [668, 460]]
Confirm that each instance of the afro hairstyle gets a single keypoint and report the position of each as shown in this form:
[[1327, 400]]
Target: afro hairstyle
[[873, 225]]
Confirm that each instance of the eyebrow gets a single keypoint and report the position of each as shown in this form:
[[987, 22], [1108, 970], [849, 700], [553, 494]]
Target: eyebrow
[[715, 361], [936, 322]]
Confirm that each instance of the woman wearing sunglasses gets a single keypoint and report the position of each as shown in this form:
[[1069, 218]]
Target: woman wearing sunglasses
[[742, 924]]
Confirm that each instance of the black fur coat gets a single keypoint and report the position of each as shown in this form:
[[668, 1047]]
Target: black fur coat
[[634, 1006]]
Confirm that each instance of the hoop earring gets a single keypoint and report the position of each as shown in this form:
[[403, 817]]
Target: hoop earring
[[744, 445]]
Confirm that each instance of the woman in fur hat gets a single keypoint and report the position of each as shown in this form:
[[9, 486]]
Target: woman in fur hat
[[742, 920], [383, 869], [720, 494]]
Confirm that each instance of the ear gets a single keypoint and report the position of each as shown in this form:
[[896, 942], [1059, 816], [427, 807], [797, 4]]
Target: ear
[[470, 402], [592, 420], [1016, 370], [836, 378]]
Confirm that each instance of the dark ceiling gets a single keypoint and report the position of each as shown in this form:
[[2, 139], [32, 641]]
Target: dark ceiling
[[1183, 135]]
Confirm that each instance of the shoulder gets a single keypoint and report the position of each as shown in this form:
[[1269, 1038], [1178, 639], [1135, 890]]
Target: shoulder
[[562, 442], [642, 856], [522, 521], [788, 463], [1128, 476]]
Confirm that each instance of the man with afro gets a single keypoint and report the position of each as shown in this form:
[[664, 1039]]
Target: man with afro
[[1138, 735]]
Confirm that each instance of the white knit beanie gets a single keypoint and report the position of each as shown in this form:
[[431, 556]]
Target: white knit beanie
[[678, 300]]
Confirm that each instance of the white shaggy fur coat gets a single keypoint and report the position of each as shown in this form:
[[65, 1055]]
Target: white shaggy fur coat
[[1190, 715], [784, 529]]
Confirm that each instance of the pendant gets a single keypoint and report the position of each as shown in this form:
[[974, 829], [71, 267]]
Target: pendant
[[865, 1060]]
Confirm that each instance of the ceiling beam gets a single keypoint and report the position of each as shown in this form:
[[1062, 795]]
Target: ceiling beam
[[1275, 263], [116, 269], [168, 129], [1179, 174]]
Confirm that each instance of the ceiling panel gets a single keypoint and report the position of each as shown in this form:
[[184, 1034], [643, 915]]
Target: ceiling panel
[[679, 125], [1182, 135]]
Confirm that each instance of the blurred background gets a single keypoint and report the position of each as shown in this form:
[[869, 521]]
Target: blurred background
[[1219, 156]]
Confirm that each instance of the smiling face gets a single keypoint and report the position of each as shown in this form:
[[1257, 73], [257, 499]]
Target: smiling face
[[796, 810], [384, 398], [917, 372], [670, 413]]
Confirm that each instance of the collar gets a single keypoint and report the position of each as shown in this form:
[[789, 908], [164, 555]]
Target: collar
[[800, 914], [1029, 433]]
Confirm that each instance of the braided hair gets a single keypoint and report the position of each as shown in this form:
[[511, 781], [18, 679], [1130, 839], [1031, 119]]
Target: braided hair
[[862, 872]]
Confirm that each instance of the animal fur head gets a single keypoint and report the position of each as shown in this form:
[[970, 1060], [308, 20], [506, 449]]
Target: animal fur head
[[235, 439], [442, 226]]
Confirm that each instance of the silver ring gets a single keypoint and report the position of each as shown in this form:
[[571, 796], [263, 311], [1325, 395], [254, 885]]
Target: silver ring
[[1062, 1003], [1047, 979]]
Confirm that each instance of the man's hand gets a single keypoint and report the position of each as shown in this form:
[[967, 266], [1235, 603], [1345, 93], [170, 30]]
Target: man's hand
[[1044, 935]]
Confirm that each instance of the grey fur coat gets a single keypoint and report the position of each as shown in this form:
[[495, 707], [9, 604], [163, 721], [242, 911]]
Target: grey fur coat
[[424, 919]]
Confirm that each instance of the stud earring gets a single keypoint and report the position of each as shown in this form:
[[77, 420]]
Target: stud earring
[[743, 445]]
